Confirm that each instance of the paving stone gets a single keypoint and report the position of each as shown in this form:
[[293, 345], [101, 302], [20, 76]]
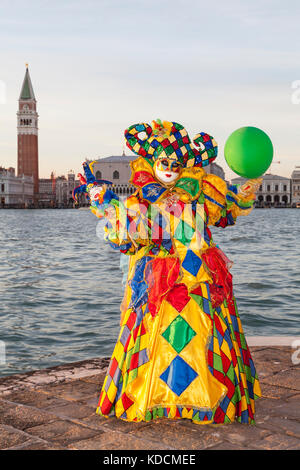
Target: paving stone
[[174, 434], [275, 392], [227, 446], [33, 444], [74, 391], [62, 432], [21, 416], [281, 425], [288, 409], [288, 378], [11, 437], [115, 424], [92, 401], [94, 421], [238, 433], [294, 399], [266, 406], [71, 410], [272, 360], [5, 390], [96, 379], [266, 409], [36, 399], [117, 441], [277, 442]]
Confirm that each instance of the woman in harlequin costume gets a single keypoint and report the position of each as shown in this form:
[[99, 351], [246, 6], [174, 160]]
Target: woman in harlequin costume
[[181, 351]]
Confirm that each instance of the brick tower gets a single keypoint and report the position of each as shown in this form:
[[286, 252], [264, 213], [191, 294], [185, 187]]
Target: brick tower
[[28, 160]]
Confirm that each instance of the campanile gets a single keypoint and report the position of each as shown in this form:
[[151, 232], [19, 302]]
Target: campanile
[[28, 160]]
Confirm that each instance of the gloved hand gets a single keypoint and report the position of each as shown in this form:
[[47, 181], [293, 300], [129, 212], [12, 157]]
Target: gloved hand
[[248, 189]]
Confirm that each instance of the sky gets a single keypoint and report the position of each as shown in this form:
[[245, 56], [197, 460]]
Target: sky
[[98, 66]]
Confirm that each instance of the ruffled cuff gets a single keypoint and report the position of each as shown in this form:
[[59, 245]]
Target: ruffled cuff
[[238, 204]]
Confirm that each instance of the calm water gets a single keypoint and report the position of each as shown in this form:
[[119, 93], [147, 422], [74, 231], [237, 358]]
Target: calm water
[[60, 284]]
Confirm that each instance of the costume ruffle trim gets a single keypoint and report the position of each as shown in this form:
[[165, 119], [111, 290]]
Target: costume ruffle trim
[[180, 412]]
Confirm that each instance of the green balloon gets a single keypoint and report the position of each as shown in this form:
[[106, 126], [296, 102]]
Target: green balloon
[[249, 152]]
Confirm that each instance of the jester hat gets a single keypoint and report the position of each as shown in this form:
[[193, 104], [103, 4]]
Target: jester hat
[[171, 140]]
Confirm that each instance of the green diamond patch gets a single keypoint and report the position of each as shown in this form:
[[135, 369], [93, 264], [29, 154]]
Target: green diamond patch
[[179, 333], [184, 233]]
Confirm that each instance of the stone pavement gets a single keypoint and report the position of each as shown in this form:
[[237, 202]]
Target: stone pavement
[[55, 409]]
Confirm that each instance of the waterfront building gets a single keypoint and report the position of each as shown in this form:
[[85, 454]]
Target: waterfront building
[[274, 191], [64, 187], [295, 183], [61, 191], [15, 191], [47, 191], [27, 126], [117, 170]]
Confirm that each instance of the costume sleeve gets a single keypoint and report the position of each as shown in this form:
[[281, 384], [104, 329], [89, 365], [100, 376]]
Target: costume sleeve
[[224, 203], [124, 229]]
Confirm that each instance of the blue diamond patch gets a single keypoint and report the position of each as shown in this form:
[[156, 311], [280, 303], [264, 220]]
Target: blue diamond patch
[[192, 263], [178, 376]]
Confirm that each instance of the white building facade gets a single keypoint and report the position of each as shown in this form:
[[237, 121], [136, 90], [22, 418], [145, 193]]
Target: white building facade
[[274, 191], [15, 191], [295, 182], [117, 170]]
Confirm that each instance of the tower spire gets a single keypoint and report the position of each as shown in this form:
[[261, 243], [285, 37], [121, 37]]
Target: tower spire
[[27, 92]]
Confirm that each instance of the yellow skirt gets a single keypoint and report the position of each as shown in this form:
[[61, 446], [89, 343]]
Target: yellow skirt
[[189, 361]]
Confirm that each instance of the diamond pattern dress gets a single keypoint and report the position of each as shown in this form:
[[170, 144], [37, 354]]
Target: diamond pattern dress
[[181, 351]]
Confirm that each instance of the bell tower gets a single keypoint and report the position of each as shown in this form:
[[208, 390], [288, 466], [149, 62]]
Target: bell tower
[[27, 117]]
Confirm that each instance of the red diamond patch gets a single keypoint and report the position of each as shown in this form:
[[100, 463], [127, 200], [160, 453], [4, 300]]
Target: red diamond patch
[[178, 297]]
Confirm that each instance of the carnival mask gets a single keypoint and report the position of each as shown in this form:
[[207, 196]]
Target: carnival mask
[[167, 170]]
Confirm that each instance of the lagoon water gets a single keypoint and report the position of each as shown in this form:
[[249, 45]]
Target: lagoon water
[[60, 284]]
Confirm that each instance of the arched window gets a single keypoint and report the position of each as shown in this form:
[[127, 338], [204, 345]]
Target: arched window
[[116, 175], [285, 199], [98, 175], [260, 198], [269, 198]]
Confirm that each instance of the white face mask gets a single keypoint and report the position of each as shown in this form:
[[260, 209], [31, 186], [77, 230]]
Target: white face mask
[[166, 176]]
